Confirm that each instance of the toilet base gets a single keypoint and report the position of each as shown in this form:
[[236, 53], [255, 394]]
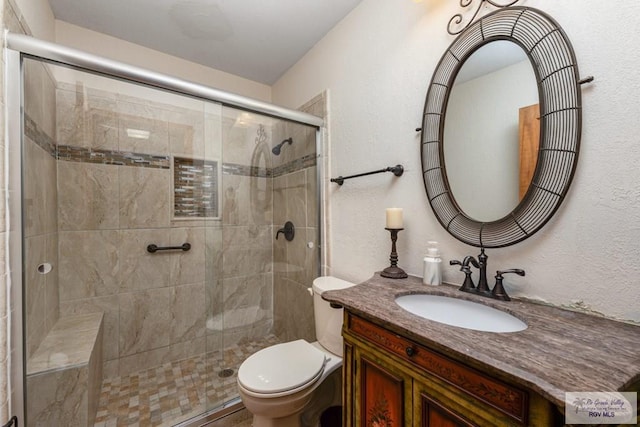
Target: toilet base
[[327, 394], [290, 421]]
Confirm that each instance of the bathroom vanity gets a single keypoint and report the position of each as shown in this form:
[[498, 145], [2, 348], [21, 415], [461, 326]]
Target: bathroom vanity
[[403, 370]]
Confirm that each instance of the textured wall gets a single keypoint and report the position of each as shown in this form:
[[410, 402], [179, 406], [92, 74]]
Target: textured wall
[[377, 64]]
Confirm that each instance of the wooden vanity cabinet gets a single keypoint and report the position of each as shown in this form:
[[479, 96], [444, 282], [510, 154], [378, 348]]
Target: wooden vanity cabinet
[[390, 380]]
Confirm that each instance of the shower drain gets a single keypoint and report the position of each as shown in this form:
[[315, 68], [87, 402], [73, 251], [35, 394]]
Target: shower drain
[[225, 373]]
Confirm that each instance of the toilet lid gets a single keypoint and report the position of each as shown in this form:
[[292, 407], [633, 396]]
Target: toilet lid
[[281, 367]]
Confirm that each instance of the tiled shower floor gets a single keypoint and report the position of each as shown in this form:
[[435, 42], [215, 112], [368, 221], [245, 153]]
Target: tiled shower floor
[[173, 392]]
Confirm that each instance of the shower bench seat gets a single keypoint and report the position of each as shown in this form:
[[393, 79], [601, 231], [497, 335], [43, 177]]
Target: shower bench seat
[[66, 370]]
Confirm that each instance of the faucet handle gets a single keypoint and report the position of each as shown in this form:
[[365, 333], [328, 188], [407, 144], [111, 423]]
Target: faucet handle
[[498, 291], [467, 285]]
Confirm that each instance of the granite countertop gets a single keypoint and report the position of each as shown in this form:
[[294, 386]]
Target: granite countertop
[[560, 351]]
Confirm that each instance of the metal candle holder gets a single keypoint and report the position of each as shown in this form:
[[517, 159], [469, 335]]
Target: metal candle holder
[[393, 271]]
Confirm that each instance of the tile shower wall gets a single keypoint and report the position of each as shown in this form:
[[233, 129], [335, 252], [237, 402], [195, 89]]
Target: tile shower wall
[[295, 199], [245, 272], [115, 198], [40, 202]]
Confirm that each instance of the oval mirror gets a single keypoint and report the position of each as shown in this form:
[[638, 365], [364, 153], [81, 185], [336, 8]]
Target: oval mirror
[[559, 124], [487, 159]]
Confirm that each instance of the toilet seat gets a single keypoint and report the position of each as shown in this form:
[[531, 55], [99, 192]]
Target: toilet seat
[[281, 369]]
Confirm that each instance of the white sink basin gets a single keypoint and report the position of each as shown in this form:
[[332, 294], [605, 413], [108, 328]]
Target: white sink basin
[[460, 313]]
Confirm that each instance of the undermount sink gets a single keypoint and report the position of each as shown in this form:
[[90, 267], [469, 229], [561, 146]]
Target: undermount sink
[[460, 313]]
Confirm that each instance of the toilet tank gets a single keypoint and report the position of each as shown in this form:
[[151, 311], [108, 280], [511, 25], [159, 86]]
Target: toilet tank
[[328, 320]]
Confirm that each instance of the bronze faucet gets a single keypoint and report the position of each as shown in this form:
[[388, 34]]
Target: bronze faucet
[[483, 289]]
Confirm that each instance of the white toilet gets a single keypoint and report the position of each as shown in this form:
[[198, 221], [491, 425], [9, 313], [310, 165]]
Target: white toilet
[[277, 383]]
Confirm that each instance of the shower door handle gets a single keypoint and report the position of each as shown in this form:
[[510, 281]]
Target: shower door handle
[[288, 230]]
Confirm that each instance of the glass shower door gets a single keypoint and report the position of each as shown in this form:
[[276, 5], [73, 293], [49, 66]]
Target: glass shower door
[[119, 195]]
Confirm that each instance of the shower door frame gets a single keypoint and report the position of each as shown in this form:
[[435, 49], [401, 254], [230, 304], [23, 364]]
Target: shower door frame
[[18, 47]]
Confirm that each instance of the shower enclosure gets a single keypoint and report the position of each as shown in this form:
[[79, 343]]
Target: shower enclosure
[[149, 214]]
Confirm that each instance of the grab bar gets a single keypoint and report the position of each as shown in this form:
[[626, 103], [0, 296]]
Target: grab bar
[[397, 170], [155, 248]]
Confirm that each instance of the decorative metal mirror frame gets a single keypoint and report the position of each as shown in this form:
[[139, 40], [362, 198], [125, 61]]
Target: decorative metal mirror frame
[[556, 70]]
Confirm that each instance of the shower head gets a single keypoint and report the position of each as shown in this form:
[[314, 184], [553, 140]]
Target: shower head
[[276, 150]]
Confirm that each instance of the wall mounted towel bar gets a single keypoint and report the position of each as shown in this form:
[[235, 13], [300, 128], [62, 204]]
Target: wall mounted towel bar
[[155, 248], [397, 170]]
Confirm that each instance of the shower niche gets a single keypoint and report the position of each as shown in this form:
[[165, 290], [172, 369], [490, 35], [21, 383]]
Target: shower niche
[[110, 167]]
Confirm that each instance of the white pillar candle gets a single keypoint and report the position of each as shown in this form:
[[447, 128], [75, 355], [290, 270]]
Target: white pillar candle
[[394, 218]]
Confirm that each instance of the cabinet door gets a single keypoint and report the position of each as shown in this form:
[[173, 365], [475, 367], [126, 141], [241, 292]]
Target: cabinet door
[[383, 394], [435, 415]]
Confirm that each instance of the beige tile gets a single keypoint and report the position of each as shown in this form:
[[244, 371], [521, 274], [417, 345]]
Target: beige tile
[[58, 398], [261, 200], [111, 369], [50, 176], [86, 119], [48, 101], [69, 120], [35, 290], [143, 360], [62, 350], [188, 267], [247, 299], [52, 290], [144, 321], [311, 196], [110, 309], [294, 307], [301, 259], [295, 196], [213, 254], [33, 90], [138, 268], [101, 125], [213, 131], [279, 201], [186, 349], [187, 307], [143, 270], [246, 261], [88, 196], [145, 197], [95, 375], [186, 133], [235, 200], [238, 139], [134, 118], [36, 216], [89, 264], [247, 236]]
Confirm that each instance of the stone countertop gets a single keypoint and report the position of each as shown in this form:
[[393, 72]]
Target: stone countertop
[[560, 351]]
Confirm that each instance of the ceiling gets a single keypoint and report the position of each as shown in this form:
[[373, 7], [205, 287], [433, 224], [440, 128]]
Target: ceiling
[[254, 39]]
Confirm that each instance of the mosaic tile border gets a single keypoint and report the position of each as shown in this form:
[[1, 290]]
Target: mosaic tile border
[[304, 162], [122, 158], [244, 170], [110, 157]]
